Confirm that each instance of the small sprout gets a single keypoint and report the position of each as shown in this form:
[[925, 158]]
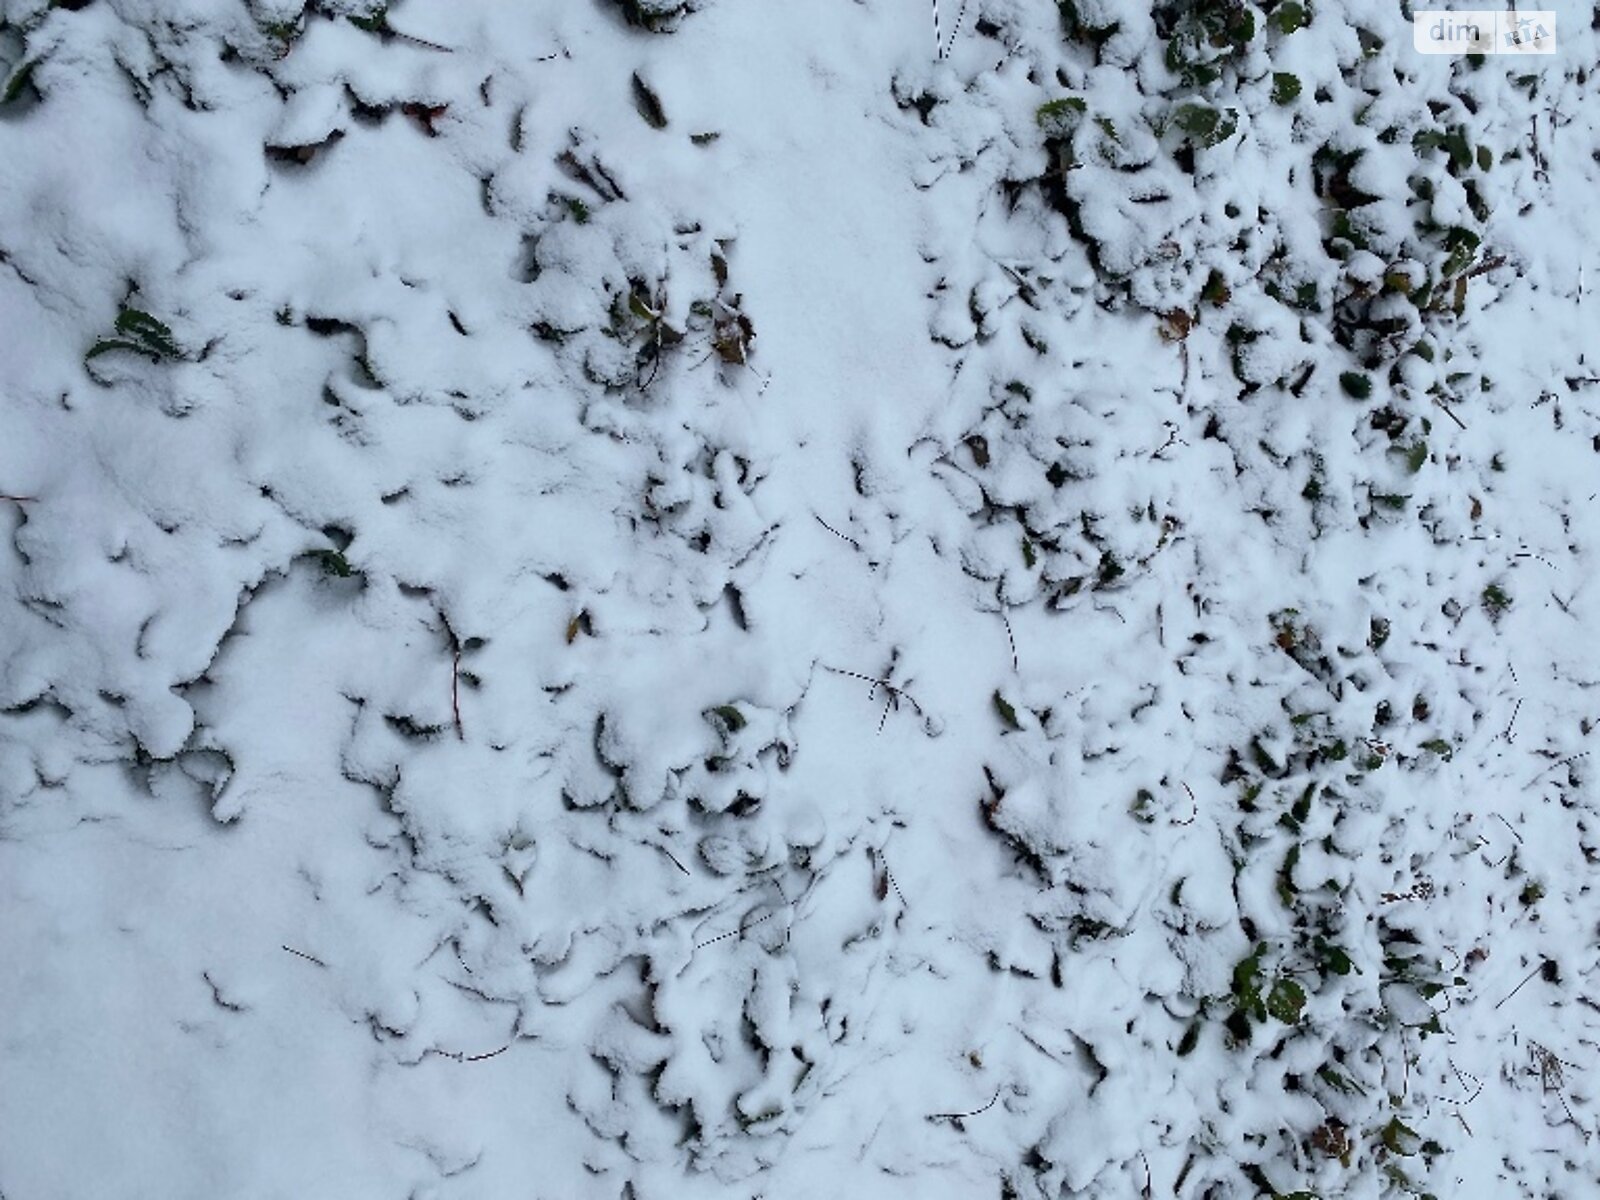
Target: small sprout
[[1496, 599], [335, 563]]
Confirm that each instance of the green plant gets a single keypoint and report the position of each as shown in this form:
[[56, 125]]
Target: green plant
[[139, 333]]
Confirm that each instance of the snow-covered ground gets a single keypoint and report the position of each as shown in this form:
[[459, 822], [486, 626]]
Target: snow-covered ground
[[633, 599]]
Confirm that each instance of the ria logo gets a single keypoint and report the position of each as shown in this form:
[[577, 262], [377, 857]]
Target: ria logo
[[1483, 31]]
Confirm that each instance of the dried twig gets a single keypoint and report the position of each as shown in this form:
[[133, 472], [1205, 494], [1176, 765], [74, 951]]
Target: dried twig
[[739, 932], [1194, 810], [310, 958], [455, 691], [892, 883], [1439, 400], [1560, 762], [957, 1118], [955, 30], [672, 856], [1506, 733], [458, 1056], [1523, 984], [1010, 637], [836, 533], [896, 694], [1487, 265]]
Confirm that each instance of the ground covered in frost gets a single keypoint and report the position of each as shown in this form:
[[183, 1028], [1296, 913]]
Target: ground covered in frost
[[642, 599]]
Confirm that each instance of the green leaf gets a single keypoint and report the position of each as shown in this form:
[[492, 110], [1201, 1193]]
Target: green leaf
[[1399, 1138], [1289, 17], [1286, 1000], [1339, 1082], [1302, 806], [638, 307], [1462, 243], [1247, 977], [1007, 713], [648, 104], [1206, 125], [374, 20], [1285, 87], [1355, 384], [1332, 959], [1190, 1039], [1028, 555], [732, 719], [18, 81], [1058, 118]]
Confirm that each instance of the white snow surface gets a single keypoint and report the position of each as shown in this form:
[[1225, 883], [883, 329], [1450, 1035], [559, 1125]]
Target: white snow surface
[[668, 600]]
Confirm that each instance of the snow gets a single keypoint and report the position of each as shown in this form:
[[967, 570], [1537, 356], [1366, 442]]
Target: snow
[[652, 599]]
